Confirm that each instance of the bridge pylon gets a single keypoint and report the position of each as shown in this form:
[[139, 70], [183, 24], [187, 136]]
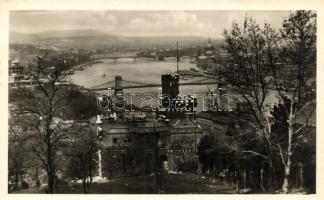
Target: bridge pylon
[[118, 85]]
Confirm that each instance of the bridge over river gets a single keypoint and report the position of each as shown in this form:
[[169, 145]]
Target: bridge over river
[[114, 56], [120, 84]]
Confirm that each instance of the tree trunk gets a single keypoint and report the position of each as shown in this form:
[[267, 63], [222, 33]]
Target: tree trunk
[[21, 180], [285, 185], [238, 181], [50, 167], [271, 180], [84, 183], [37, 180], [271, 185], [50, 182], [90, 166], [261, 186], [16, 180], [237, 186], [244, 178]]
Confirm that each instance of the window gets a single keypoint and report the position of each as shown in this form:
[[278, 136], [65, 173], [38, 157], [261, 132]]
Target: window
[[115, 140]]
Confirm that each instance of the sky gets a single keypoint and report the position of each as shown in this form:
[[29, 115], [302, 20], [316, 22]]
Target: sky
[[140, 23]]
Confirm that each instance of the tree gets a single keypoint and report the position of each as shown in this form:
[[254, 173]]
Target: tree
[[298, 36], [81, 105], [246, 75], [82, 153], [19, 156], [46, 103], [255, 55], [235, 151], [211, 151], [292, 131]]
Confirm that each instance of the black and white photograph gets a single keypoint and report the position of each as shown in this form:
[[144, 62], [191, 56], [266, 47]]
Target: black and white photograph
[[162, 101]]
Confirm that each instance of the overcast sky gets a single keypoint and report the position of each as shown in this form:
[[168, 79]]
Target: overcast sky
[[140, 23]]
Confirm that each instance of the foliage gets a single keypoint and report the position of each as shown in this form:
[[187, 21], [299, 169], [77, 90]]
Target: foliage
[[81, 152], [257, 53]]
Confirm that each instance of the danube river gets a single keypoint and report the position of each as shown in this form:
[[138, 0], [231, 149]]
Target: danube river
[[142, 71], [145, 71]]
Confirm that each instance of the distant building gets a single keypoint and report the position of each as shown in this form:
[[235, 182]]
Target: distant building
[[209, 49], [206, 58], [18, 77], [212, 60]]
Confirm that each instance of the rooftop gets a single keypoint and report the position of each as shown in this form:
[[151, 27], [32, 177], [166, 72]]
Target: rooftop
[[224, 117], [146, 126]]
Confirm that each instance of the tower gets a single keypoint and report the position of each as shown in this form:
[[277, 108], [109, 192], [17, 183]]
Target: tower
[[170, 89], [118, 86], [120, 103], [209, 49]]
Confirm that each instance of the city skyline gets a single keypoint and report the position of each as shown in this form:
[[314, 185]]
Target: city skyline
[[140, 23]]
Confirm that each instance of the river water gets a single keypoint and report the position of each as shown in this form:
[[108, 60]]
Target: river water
[[144, 71]]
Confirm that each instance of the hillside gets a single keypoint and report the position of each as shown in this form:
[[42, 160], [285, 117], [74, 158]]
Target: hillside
[[99, 39]]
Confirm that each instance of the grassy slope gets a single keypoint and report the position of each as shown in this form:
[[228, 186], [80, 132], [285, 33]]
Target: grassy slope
[[171, 184]]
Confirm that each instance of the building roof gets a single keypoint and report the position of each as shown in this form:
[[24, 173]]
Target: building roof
[[148, 126], [137, 127], [182, 123], [114, 127], [219, 117]]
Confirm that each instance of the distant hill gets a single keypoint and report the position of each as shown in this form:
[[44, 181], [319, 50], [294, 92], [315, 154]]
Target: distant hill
[[61, 34], [98, 39], [74, 34], [20, 38], [67, 39]]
